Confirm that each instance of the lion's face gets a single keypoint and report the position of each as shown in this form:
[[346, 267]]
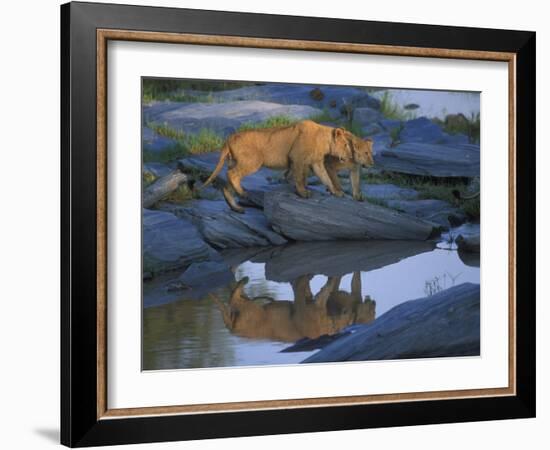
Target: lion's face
[[362, 150], [341, 145]]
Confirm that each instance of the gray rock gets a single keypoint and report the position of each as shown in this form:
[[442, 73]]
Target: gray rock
[[443, 325], [381, 142], [224, 228], [327, 218], [436, 211], [202, 277], [334, 97], [388, 192], [366, 116], [390, 124], [468, 242], [223, 118], [333, 258], [154, 142], [431, 160], [171, 243], [156, 170], [423, 130]]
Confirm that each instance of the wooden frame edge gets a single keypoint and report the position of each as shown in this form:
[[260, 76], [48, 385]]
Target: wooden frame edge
[[103, 36]]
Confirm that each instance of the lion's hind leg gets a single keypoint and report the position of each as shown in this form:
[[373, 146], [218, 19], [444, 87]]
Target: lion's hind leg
[[228, 195], [234, 178]]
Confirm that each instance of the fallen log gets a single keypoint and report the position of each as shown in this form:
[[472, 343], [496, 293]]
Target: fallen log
[[163, 187]]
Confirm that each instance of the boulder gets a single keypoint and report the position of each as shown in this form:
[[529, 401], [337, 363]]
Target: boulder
[[171, 243], [431, 160], [436, 211], [224, 228], [153, 142], [425, 130], [443, 325], [366, 116], [223, 118], [327, 218], [468, 243]]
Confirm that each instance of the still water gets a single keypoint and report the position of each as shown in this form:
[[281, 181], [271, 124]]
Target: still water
[[273, 297]]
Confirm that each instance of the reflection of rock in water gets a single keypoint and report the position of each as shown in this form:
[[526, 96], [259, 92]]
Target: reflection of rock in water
[[445, 324], [468, 258], [307, 316], [287, 263]]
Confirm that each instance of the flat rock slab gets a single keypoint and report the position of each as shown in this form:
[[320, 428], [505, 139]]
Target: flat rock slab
[[332, 98], [331, 258], [436, 211], [329, 218], [443, 325], [434, 160], [388, 192], [223, 118], [224, 228], [171, 243]]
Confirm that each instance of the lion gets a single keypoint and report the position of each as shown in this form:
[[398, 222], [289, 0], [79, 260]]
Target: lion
[[361, 156], [301, 146]]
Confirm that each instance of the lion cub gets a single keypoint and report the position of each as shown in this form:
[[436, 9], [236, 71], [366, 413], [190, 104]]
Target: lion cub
[[301, 146]]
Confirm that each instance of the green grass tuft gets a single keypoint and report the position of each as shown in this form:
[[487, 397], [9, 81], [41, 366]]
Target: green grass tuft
[[204, 141], [271, 122], [185, 144]]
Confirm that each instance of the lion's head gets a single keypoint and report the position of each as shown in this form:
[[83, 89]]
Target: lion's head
[[341, 145], [361, 149]]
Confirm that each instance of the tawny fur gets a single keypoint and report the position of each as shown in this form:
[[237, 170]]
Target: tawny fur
[[301, 146], [361, 156]]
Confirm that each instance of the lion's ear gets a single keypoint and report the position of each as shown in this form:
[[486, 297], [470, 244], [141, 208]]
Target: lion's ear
[[338, 133]]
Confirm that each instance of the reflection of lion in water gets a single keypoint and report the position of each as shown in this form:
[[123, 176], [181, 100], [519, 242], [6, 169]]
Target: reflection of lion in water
[[309, 316], [301, 146]]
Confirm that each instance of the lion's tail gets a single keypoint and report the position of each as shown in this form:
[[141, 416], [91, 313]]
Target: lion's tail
[[223, 156]]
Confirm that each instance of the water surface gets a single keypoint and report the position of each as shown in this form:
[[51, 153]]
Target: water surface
[[283, 294]]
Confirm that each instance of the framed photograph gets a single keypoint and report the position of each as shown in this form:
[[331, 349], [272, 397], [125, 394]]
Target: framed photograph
[[277, 224]]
